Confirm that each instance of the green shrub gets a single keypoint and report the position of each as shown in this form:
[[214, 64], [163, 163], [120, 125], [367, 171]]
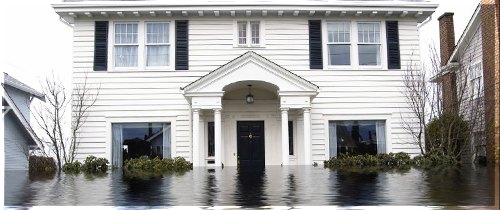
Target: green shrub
[[144, 166], [399, 160], [94, 165], [39, 164], [90, 165], [74, 167]]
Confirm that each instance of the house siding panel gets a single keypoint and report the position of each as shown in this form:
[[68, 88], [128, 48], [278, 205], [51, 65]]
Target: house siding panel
[[149, 94], [15, 144]]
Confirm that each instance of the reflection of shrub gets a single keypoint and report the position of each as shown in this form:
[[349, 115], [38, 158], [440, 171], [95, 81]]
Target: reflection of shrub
[[38, 164], [91, 165], [145, 167], [398, 160]]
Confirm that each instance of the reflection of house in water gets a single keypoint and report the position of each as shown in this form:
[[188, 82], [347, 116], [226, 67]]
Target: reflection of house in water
[[151, 145], [356, 138]]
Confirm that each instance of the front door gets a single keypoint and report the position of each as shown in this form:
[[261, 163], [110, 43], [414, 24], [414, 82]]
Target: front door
[[251, 144]]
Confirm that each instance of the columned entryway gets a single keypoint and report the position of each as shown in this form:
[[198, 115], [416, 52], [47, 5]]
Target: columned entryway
[[281, 99]]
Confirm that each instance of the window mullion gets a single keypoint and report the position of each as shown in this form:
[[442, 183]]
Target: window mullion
[[354, 45], [141, 39]]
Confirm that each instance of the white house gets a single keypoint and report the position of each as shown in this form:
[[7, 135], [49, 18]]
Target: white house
[[324, 78], [19, 137]]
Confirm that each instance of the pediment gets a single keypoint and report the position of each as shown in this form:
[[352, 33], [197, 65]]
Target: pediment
[[250, 66]]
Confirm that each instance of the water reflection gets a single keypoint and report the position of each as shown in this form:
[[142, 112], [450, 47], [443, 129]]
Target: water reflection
[[274, 186]]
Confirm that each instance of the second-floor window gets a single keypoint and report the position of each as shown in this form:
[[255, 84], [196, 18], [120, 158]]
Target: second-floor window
[[126, 44], [354, 43], [157, 44], [369, 44], [145, 44], [248, 33], [339, 43], [476, 80]]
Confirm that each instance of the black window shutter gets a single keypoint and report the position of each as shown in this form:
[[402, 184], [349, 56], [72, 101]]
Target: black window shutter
[[315, 45], [181, 45], [101, 46], [393, 54]]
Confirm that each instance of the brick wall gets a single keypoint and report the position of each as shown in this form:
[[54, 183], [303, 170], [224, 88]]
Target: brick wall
[[491, 70], [447, 45]]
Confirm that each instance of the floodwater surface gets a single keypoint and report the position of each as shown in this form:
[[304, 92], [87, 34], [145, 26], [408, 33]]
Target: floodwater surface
[[274, 186]]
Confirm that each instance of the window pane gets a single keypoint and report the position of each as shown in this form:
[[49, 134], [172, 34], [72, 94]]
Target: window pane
[[157, 33], [255, 32], [211, 139], [339, 32], [133, 140], [369, 32], [157, 55], [126, 56], [290, 137], [339, 54], [369, 54], [242, 33], [357, 137], [126, 33]]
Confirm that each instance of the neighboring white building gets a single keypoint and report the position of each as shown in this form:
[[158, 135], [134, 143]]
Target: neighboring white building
[[465, 63], [19, 137], [325, 77]]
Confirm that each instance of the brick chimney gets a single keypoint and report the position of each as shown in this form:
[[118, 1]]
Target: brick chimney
[[448, 79], [490, 26], [446, 36]]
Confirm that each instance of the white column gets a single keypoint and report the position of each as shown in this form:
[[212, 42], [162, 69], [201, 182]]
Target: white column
[[307, 136], [218, 137], [284, 137], [196, 137]]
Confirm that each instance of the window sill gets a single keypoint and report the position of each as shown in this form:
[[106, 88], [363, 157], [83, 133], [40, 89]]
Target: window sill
[[149, 69], [361, 68], [250, 47]]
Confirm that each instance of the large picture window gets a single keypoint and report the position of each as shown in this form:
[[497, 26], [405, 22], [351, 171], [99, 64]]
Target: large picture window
[[133, 140], [357, 137]]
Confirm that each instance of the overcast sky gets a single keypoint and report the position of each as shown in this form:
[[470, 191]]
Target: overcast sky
[[35, 42]]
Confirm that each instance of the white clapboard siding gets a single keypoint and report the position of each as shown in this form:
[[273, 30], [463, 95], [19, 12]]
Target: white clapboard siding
[[144, 94]]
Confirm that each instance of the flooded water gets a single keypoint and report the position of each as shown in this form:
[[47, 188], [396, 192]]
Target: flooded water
[[274, 186]]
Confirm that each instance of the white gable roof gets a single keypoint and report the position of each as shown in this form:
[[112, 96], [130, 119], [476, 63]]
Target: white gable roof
[[251, 66]]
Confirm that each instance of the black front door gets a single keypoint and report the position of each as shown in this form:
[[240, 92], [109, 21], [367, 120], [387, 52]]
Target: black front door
[[251, 144]]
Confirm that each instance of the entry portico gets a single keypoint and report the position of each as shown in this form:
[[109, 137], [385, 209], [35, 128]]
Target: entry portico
[[224, 89]]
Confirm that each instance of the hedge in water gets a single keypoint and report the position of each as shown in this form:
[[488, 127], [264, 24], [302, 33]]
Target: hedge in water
[[400, 159]]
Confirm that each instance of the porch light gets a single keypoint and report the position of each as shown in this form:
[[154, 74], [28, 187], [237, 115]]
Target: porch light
[[249, 96]]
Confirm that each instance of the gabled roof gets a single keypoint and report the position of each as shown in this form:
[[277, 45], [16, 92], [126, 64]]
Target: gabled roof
[[21, 118], [13, 82], [264, 65], [467, 35]]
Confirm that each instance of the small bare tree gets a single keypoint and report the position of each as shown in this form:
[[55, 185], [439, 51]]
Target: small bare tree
[[434, 127], [51, 116]]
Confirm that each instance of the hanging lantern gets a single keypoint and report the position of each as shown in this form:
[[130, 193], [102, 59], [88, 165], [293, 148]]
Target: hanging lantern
[[249, 96]]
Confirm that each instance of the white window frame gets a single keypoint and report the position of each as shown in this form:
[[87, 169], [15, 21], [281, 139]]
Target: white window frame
[[141, 52], [475, 72], [350, 43], [157, 44], [112, 119], [387, 117], [249, 34], [354, 45]]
